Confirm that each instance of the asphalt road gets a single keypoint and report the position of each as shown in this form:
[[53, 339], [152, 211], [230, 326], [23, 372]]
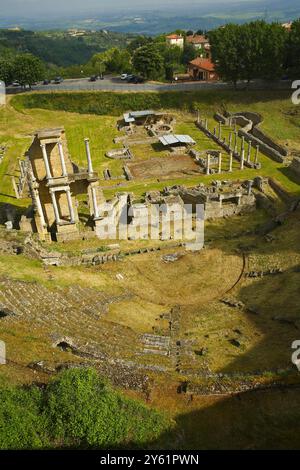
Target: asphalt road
[[116, 84]]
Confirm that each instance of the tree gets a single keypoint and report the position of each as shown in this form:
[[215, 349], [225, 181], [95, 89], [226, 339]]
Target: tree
[[226, 52], [138, 42], [6, 69], [190, 33], [28, 69], [293, 50], [120, 61], [189, 53], [274, 51], [82, 408], [148, 61]]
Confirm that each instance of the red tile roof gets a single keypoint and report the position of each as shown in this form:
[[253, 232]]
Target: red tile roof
[[205, 64], [197, 39], [174, 36]]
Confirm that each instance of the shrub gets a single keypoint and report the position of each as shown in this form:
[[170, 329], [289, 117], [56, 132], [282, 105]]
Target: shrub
[[21, 423], [77, 408], [82, 408]]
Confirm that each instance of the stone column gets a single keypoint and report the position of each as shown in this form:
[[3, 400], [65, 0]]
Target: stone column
[[88, 156], [249, 151], [230, 161], [62, 159], [243, 144], [250, 184], [95, 204], [235, 142], [70, 204], [46, 161], [242, 159], [39, 207], [55, 206], [198, 116], [21, 166], [230, 141], [208, 163], [206, 124], [256, 154], [15, 187], [220, 163]]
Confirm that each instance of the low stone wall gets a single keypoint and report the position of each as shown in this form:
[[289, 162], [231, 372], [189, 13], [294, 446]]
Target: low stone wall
[[249, 122], [295, 165], [264, 148], [213, 209]]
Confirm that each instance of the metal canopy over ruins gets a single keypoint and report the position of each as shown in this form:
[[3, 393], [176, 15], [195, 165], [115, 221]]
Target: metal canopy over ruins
[[132, 116], [172, 139]]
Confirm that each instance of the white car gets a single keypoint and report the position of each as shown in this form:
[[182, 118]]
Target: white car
[[124, 76]]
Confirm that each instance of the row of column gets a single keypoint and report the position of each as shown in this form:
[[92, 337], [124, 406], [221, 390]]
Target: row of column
[[208, 157], [62, 159], [233, 143], [67, 190], [55, 205]]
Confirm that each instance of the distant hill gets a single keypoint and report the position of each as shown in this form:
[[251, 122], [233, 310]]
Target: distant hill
[[162, 17], [61, 48]]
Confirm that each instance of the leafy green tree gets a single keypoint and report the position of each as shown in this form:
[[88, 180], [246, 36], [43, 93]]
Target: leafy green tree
[[274, 52], [28, 69], [6, 69], [21, 423], [226, 52], [120, 61], [149, 62], [138, 42], [189, 53], [81, 407], [293, 50]]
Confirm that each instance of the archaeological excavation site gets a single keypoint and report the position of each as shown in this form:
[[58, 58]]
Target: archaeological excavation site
[[201, 332]]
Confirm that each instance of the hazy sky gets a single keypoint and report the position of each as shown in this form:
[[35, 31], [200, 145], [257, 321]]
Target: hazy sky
[[37, 7]]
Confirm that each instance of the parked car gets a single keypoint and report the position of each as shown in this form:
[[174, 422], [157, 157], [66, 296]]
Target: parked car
[[58, 80], [135, 79], [46, 82], [93, 78], [124, 76], [15, 83]]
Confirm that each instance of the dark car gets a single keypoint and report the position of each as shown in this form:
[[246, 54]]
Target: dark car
[[135, 79], [58, 80], [46, 82], [93, 78]]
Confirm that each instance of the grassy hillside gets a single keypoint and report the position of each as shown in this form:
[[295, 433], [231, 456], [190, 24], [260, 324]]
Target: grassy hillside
[[59, 48]]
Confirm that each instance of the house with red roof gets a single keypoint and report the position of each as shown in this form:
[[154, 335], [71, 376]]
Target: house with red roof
[[175, 40], [202, 69], [198, 41]]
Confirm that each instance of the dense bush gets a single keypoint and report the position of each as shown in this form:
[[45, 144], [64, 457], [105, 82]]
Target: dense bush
[[21, 422], [77, 409], [104, 103]]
